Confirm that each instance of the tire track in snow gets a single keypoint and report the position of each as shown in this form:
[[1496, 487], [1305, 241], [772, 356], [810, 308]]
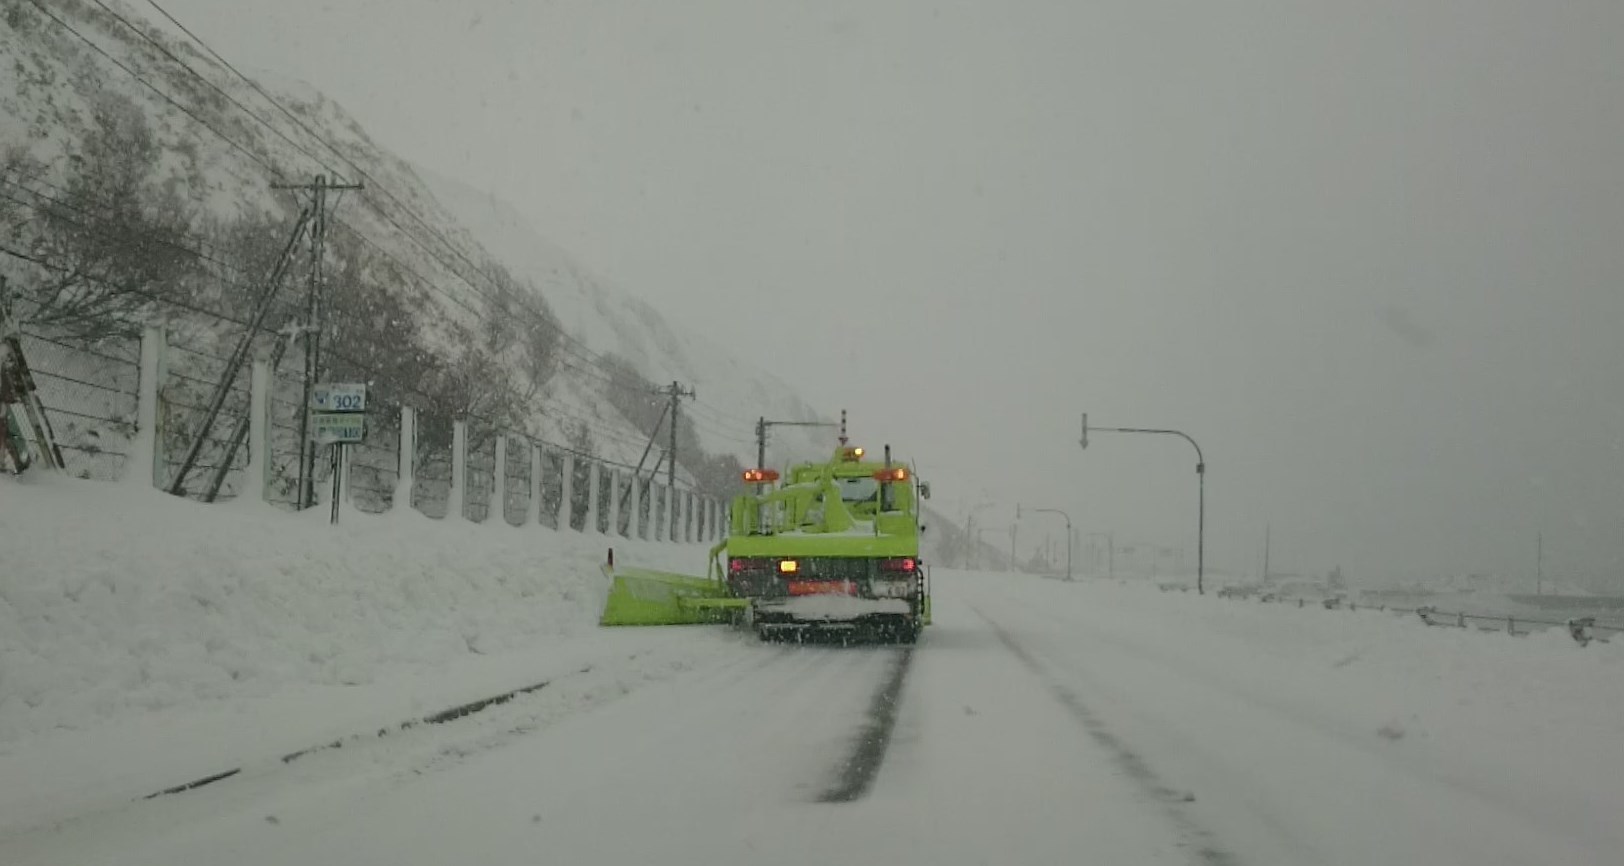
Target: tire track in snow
[[1132, 764], [862, 766]]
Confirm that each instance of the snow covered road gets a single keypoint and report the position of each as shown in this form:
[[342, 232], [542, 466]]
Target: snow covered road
[[1036, 722]]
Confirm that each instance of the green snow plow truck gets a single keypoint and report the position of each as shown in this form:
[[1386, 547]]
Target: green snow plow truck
[[829, 549]]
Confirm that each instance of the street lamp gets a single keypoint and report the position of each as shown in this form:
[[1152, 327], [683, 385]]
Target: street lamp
[[1201, 491], [1069, 545]]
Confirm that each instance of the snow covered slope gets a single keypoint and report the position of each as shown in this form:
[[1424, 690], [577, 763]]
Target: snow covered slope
[[224, 144], [732, 393]]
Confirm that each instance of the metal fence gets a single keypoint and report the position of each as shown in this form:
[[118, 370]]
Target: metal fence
[[91, 392]]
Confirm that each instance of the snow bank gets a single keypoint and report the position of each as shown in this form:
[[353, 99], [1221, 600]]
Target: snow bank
[[118, 601], [1268, 703]]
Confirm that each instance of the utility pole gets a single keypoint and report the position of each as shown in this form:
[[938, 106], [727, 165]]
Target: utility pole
[[239, 357], [315, 313], [676, 392], [637, 473], [1539, 564], [1266, 528]]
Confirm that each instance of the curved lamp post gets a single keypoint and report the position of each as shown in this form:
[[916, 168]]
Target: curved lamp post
[[1069, 540], [1201, 485]]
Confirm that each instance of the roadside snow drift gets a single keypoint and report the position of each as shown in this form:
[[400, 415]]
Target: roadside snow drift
[[116, 600]]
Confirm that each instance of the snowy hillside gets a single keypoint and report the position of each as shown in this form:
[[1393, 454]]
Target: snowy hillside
[[731, 392], [66, 67]]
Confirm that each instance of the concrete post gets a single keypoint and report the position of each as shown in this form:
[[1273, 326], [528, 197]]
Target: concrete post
[[594, 482], [145, 467], [498, 505], [406, 471], [634, 522], [259, 404], [532, 511], [454, 509], [614, 502], [566, 504]]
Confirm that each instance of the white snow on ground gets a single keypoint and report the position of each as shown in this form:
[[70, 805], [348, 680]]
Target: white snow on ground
[[1041, 722], [176, 638]]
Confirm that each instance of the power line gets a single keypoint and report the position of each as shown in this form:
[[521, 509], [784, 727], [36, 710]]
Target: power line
[[723, 415], [264, 164], [157, 239], [568, 343], [583, 352], [213, 313], [256, 158], [359, 365], [211, 85], [250, 82]]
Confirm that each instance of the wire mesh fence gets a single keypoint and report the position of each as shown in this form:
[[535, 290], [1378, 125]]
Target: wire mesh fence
[[91, 391], [431, 466], [552, 488], [204, 446], [284, 424], [517, 471], [606, 492], [374, 463], [480, 465]]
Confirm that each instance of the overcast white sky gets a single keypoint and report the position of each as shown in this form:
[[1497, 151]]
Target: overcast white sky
[[1367, 253]]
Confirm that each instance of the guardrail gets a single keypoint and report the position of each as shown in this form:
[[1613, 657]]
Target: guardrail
[[1584, 630]]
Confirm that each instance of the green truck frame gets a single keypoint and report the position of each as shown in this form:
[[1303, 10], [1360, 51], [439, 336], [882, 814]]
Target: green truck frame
[[834, 548]]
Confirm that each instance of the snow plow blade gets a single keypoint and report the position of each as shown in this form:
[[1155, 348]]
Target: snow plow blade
[[641, 597]]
